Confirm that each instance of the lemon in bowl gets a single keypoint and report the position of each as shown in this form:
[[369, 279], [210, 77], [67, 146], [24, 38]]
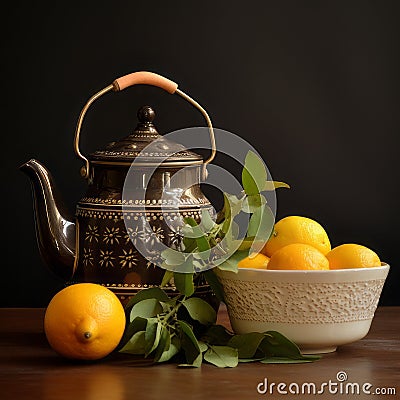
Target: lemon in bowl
[[297, 229], [350, 255]]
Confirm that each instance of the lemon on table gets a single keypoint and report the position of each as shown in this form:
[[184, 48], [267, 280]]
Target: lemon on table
[[84, 321], [298, 256], [256, 260], [352, 255], [297, 229]]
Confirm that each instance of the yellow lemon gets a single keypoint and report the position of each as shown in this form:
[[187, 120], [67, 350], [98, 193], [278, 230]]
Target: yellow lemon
[[296, 229], [84, 321], [256, 260], [351, 255], [298, 256]]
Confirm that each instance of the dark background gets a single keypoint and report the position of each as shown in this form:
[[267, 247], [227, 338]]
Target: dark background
[[314, 86]]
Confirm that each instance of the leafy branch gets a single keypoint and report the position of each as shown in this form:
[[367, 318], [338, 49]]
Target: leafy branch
[[183, 328], [219, 243], [160, 331]]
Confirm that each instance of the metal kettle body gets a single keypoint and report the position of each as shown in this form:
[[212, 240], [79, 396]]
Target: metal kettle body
[[111, 228]]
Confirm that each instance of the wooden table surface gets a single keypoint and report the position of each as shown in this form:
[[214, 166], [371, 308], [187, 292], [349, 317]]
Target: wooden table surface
[[29, 369]]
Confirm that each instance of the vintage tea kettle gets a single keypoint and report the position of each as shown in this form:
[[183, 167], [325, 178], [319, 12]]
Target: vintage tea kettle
[[96, 246]]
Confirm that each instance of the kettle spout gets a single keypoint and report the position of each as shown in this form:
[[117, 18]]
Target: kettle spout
[[54, 231]]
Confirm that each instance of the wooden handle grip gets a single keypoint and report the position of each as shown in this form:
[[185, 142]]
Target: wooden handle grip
[[145, 78]]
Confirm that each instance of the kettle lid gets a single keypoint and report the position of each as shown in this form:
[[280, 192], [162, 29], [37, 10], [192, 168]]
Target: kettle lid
[[164, 151]]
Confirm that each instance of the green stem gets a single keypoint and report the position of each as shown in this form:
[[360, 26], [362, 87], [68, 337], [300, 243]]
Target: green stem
[[174, 310]]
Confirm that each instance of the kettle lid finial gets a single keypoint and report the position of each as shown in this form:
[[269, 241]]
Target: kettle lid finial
[[146, 114], [145, 127]]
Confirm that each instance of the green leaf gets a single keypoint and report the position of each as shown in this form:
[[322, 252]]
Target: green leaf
[[281, 360], [232, 207], [163, 345], [217, 335], [136, 344], [254, 223], [215, 284], [184, 283], [188, 332], [272, 185], [277, 345], [198, 265], [246, 344], [203, 346], [312, 357], [189, 342], [173, 257], [225, 213], [152, 335], [246, 243], [168, 275], [231, 236], [190, 221], [235, 204], [172, 351], [195, 364], [202, 245], [187, 231], [261, 223], [186, 267], [207, 223], [151, 293], [200, 310], [231, 263], [138, 324], [253, 203], [146, 309], [168, 306], [189, 244], [222, 356], [254, 174], [193, 230], [261, 226], [249, 184], [250, 360], [228, 265]]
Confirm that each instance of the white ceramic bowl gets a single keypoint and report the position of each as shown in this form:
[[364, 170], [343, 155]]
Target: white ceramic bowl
[[318, 310]]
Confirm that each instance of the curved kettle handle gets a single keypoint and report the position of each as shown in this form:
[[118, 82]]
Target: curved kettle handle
[[140, 78], [144, 78]]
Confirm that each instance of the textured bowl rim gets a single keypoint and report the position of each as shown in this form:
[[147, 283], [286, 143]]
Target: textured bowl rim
[[384, 266]]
